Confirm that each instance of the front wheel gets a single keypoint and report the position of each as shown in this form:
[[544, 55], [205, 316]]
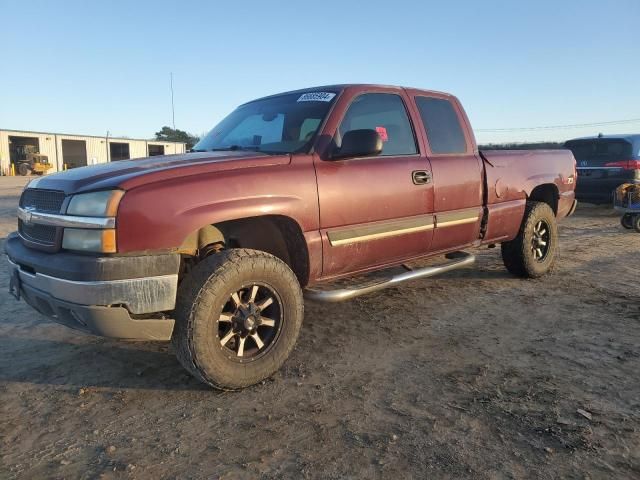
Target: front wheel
[[636, 223], [533, 252], [627, 221], [238, 314], [23, 169]]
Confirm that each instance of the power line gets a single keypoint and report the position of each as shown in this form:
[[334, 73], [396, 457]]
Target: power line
[[558, 127]]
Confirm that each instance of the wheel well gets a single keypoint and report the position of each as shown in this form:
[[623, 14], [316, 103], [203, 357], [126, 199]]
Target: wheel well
[[275, 234], [547, 193]]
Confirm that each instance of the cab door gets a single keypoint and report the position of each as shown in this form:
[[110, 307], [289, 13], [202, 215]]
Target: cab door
[[374, 210], [457, 172]]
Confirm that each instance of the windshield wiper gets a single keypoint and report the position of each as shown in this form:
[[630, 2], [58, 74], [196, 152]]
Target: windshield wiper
[[247, 148]]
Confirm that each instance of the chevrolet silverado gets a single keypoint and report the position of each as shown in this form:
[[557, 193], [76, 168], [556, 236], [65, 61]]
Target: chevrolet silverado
[[216, 249]]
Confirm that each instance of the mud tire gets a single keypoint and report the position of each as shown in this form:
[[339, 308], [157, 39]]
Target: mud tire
[[202, 296], [518, 255]]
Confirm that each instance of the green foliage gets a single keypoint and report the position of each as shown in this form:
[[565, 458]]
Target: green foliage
[[168, 134]]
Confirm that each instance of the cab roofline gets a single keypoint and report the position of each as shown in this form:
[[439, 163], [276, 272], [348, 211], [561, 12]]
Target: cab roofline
[[337, 88]]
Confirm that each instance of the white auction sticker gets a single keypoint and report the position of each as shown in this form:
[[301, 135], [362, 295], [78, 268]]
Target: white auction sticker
[[316, 97]]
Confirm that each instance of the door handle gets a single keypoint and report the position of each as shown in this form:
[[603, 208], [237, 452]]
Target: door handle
[[421, 177]]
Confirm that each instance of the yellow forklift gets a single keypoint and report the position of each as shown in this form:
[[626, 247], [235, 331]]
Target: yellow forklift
[[28, 160]]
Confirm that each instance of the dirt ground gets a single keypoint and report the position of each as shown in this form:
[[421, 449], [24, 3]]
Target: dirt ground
[[475, 374]]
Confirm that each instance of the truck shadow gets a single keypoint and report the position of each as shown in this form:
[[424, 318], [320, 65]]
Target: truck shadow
[[476, 273], [96, 363]]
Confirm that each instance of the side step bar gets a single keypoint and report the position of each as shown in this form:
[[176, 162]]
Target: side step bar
[[459, 259]]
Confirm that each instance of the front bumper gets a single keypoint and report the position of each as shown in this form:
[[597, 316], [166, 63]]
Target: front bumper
[[114, 322], [100, 295]]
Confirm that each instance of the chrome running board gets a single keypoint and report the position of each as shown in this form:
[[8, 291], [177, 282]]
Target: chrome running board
[[459, 259]]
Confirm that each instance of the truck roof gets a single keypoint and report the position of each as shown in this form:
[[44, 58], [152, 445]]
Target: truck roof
[[342, 86]]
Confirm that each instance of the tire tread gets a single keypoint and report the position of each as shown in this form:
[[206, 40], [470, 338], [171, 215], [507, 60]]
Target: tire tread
[[516, 255], [195, 290]]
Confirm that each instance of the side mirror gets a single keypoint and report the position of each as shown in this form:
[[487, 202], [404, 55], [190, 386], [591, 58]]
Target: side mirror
[[359, 143]]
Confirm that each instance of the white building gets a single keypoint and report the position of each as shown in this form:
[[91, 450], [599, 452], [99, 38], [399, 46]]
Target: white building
[[70, 151]]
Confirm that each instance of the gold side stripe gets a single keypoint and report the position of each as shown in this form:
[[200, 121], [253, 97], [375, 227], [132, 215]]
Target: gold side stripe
[[457, 222], [402, 227], [457, 218], [375, 232], [375, 236]]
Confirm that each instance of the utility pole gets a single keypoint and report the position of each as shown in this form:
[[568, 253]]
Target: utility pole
[[173, 112]]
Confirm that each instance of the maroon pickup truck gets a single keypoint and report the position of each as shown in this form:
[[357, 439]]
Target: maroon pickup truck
[[213, 248]]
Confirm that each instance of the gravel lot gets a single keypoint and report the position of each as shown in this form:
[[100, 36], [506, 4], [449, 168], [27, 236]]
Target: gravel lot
[[475, 374]]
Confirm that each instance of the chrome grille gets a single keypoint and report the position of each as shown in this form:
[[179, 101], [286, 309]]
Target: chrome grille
[[40, 200], [48, 201], [42, 234]]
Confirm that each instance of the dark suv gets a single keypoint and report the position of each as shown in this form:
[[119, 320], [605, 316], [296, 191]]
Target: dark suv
[[604, 163]]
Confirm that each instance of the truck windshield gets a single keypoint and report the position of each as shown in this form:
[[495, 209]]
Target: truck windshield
[[282, 124]]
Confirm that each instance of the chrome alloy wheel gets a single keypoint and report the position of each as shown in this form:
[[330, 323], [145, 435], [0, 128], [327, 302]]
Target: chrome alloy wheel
[[540, 241], [250, 322]]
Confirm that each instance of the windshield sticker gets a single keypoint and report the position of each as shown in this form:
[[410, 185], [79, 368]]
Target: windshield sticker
[[383, 133], [316, 97]]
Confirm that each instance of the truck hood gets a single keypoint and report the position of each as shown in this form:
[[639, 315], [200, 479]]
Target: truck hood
[[128, 174]]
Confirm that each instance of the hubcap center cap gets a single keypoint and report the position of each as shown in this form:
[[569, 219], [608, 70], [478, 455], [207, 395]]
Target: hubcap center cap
[[248, 318], [249, 322]]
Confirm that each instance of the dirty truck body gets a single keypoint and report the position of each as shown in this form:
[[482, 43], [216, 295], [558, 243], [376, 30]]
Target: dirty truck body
[[214, 248]]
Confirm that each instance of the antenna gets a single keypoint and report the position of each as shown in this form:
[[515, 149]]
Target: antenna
[[173, 112]]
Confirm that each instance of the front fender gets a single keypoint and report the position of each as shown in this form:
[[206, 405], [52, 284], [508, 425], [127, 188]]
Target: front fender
[[160, 216]]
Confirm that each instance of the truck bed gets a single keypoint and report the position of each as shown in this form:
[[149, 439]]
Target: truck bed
[[512, 177], [512, 173]]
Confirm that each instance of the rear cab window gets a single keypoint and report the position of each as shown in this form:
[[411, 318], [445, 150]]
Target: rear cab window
[[445, 134], [386, 114]]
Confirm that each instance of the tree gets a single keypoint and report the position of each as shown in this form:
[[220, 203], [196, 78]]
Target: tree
[[168, 134]]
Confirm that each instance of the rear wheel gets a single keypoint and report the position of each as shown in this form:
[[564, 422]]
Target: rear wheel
[[238, 315], [627, 221], [533, 252], [636, 223]]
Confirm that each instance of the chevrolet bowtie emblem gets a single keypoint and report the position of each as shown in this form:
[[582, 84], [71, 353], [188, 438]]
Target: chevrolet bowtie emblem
[[28, 214]]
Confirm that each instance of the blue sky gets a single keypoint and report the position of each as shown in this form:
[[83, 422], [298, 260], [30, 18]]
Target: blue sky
[[92, 66]]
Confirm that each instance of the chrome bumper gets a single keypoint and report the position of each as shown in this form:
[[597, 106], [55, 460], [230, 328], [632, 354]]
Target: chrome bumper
[[138, 295], [70, 221]]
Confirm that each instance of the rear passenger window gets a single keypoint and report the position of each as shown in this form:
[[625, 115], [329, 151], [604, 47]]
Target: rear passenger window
[[384, 113], [444, 132]]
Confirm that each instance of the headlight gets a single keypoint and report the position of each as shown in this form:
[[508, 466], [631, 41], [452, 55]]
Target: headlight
[[103, 241], [96, 204]]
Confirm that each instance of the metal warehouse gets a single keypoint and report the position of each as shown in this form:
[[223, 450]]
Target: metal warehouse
[[64, 151]]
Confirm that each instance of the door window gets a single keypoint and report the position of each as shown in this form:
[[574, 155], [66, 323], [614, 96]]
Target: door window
[[386, 114], [444, 132]]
